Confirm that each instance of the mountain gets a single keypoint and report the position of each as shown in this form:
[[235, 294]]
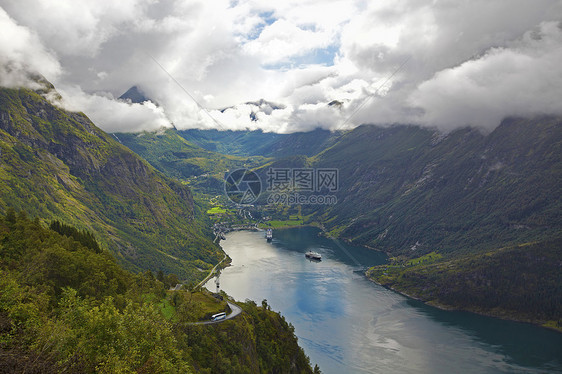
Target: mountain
[[521, 282], [404, 189], [236, 143], [134, 95], [303, 143], [472, 221], [173, 155], [194, 154], [59, 165], [408, 190], [258, 143], [67, 308]]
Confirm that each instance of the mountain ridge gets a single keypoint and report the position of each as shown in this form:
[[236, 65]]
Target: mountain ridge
[[134, 95], [408, 185], [59, 165]]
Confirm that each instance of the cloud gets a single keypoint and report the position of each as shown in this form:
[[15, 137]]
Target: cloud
[[444, 51], [520, 79], [468, 63], [113, 115], [283, 39], [22, 56], [78, 27]]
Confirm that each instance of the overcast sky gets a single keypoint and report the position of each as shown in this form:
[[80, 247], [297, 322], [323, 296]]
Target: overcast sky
[[443, 64]]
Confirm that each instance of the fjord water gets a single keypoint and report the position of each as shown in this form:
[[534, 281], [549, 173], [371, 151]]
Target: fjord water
[[347, 324]]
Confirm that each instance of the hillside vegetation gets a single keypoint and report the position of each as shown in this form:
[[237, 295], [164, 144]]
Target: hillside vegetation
[[58, 165], [174, 156], [258, 143], [522, 282], [65, 307], [408, 190]]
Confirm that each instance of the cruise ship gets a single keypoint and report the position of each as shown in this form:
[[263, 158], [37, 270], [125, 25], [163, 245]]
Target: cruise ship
[[313, 255], [269, 235]]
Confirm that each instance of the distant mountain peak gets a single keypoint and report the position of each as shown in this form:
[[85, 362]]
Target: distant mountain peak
[[335, 103], [134, 95], [262, 106], [262, 103]]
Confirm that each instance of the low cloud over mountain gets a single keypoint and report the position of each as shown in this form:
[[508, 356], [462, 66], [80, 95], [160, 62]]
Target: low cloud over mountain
[[463, 63]]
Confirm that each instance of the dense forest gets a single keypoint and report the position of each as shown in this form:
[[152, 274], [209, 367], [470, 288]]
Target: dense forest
[[66, 306], [522, 282]]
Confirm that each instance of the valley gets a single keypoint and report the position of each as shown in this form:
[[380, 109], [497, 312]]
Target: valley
[[478, 232], [280, 187], [95, 245], [409, 192]]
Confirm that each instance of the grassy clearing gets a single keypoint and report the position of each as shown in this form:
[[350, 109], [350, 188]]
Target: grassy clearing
[[167, 309], [555, 325], [280, 224], [430, 257], [206, 305], [216, 210]]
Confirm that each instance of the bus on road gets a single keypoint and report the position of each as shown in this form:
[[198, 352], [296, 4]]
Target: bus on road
[[218, 316]]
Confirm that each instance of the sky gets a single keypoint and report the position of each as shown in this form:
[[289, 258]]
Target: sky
[[277, 66]]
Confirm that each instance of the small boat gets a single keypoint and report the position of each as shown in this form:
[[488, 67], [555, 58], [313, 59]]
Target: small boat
[[269, 235], [313, 255]]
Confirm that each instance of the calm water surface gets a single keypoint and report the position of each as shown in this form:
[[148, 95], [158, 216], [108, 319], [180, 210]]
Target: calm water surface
[[347, 324]]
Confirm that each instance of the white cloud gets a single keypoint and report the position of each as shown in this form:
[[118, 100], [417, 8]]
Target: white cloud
[[114, 115], [520, 79], [283, 39], [21, 53], [442, 42], [468, 62], [75, 27]]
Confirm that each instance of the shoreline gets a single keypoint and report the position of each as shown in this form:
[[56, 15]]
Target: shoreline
[[428, 303], [435, 304], [283, 227], [326, 234], [451, 308]]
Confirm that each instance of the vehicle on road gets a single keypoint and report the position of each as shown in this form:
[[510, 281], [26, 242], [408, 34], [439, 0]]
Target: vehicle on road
[[218, 316]]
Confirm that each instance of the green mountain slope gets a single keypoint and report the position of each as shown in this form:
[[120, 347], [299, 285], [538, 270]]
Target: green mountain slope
[[522, 282], [170, 153], [66, 309], [303, 143], [237, 143], [59, 165], [410, 191], [258, 143]]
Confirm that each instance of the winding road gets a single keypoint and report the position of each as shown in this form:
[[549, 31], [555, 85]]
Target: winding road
[[211, 273], [236, 310]]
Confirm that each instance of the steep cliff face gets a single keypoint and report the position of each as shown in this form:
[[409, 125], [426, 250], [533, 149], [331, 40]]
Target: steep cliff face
[[410, 191], [56, 164]]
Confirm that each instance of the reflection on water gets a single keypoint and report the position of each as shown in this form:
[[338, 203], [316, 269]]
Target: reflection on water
[[521, 343], [348, 324]]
